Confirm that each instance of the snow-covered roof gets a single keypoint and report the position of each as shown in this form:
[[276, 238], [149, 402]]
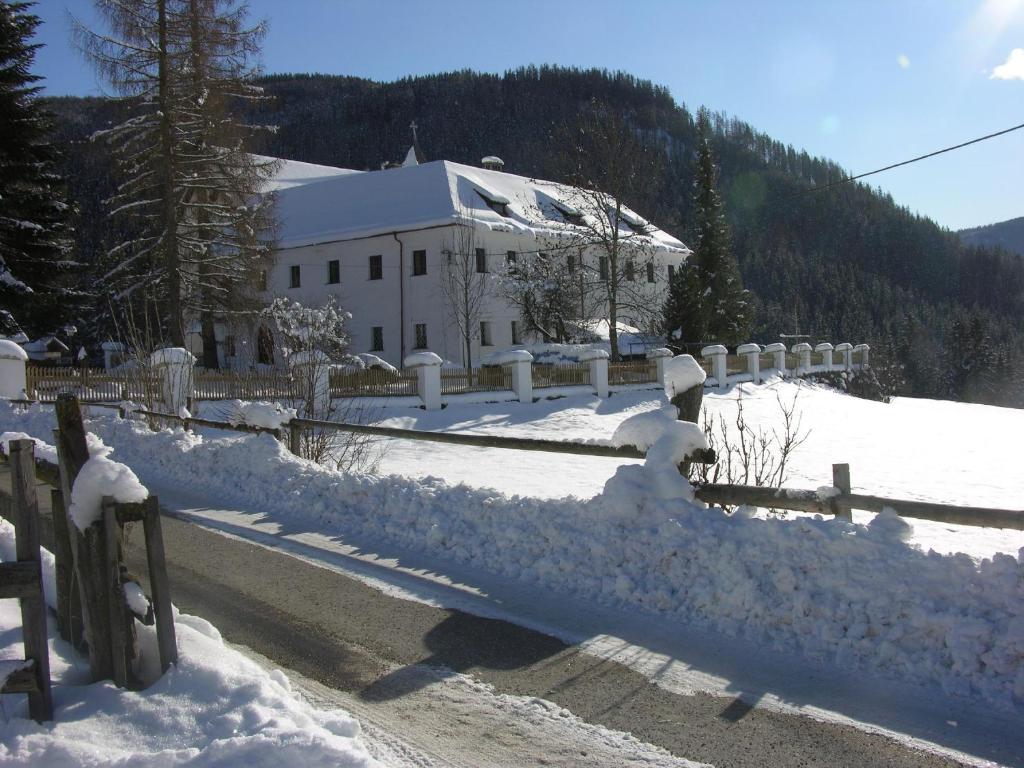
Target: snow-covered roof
[[292, 173], [439, 193]]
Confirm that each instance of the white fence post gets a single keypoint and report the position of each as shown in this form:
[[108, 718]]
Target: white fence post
[[522, 374], [312, 370], [803, 353], [659, 355], [113, 354], [826, 354], [428, 378], [778, 352], [753, 354], [717, 353], [845, 351], [864, 349], [173, 366], [598, 360], [12, 370]]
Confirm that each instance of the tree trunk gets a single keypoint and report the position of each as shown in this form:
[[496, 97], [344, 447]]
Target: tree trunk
[[209, 335], [170, 222]]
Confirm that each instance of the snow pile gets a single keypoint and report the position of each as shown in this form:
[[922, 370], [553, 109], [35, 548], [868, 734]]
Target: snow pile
[[668, 442], [682, 373], [373, 361], [11, 351], [507, 357], [417, 359], [100, 476], [172, 356], [215, 708], [259, 414], [851, 594], [42, 450]]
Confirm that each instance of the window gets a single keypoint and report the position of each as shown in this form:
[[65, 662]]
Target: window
[[500, 207], [671, 272], [377, 339], [603, 267], [481, 260], [333, 272], [485, 334], [262, 280], [630, 270], [510, 259], [376, 268], [229, 346], [570, 263], [421, 335], [515, 332], [295, 280], [419, 262], [650, 271]]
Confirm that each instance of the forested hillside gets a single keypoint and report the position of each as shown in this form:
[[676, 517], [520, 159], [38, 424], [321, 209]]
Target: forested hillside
[[1004, 234], [841, 264]]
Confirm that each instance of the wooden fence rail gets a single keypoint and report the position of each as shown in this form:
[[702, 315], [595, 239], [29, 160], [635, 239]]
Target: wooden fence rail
[[797, 500]]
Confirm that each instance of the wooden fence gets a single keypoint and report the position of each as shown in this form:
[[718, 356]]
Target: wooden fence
[[840, 503], [372, 382], [242, 385], [632, 372], [572, 375], [44, 383], [455, 381]]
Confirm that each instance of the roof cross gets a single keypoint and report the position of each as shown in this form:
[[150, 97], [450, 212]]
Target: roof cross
[[413, 126]]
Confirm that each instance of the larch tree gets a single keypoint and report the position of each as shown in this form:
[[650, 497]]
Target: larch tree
[[188, 181], [707, 301], [35, 252]]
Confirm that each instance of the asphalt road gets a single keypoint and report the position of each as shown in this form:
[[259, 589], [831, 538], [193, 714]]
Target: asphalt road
[[348, 637]]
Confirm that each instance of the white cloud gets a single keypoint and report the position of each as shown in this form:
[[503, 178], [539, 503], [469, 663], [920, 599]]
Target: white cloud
[[1013, 69], [903, 61]]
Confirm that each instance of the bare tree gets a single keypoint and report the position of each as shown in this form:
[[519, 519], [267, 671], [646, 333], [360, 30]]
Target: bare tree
[[466, 284], [189, 186]]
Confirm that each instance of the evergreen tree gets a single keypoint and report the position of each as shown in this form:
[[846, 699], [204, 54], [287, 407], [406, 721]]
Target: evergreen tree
[[35, 258], [723, 305]]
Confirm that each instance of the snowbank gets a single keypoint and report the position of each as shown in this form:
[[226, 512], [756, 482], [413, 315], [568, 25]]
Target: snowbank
[[417, 359], [508, 356], [215, 708], [668, 442], [854, 595], [259, 414]]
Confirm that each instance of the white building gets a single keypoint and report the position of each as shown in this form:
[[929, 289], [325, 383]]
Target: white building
[[377, 242]]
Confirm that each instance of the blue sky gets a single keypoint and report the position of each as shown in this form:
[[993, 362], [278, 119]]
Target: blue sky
[[866, 83]]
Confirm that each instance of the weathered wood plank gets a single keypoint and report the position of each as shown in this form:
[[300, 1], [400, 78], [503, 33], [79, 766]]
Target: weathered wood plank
[[942, 513], [33, 607], [69, 604], [22, 680], [122, 645], [768, 498], [841, 481], [87, 545], [19, 580], [160, 585]]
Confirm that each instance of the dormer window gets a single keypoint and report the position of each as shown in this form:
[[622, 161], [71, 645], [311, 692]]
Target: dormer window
[[496, 203], [570, 214], [634, 222]]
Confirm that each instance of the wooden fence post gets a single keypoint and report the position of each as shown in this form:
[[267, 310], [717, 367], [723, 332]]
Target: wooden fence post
[[87, 545], [159, 585], [122, 623], [69, 607], [295, 438], [33, 607], [841, 480]]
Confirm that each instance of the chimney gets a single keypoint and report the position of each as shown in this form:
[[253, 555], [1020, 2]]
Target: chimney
[[492, 163]]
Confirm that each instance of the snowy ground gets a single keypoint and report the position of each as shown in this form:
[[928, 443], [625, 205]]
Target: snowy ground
[[690, 598]]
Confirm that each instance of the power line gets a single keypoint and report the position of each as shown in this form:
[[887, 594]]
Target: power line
[[914, 160]]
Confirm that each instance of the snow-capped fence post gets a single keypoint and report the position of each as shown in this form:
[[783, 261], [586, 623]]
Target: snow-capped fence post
[[25, 508], [778, 352], [803, 353], [716, 353], [863, 349], [311, 375], [87, 545], [522, 374], [845, 350], [12, 370], [684, 386], [113, 354], [659, 356], [825, 350], [428, 378], [598, 360], [174, 368], [753, 354]]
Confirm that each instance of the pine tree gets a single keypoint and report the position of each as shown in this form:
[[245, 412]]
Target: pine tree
[[35, 260], [723, 309]]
